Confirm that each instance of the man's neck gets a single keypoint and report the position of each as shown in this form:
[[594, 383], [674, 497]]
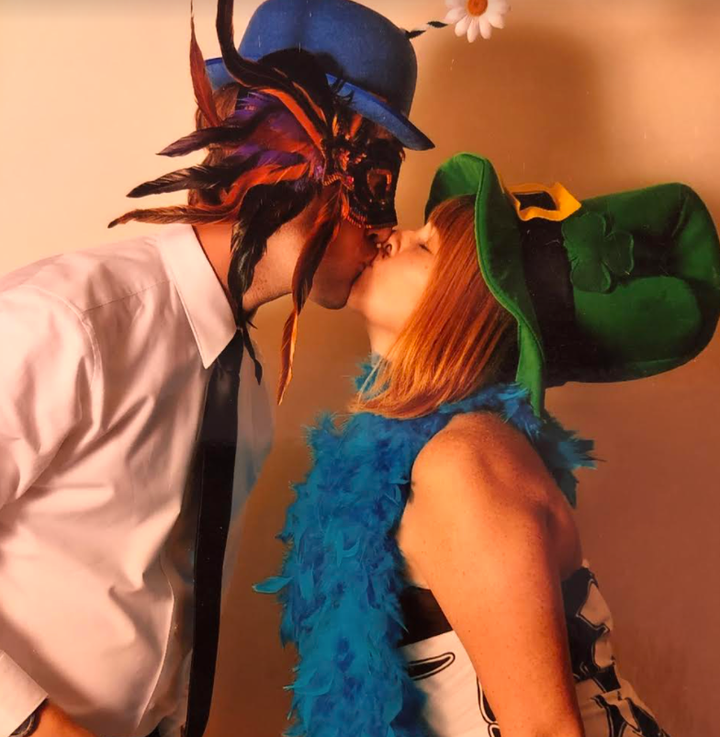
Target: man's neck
[[272, 278]]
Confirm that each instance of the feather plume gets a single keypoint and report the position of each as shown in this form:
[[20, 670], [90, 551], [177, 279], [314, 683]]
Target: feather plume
[[314, 132], [324, 232], [267, 175], [254, 111], [195, 177], [270, 125], [282, 132], [167, 215], [227, 212], [287, 354], [247, 73], [227, 134], [198, 72], [265, 210], [220, 175]]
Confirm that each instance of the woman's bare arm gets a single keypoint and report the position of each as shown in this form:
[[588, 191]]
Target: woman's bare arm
[[477, 528]]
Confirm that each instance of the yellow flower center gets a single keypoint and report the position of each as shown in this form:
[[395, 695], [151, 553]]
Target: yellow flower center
[[477, 7]]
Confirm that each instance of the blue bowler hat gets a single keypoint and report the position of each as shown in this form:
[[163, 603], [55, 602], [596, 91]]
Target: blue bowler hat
[[351, 42]]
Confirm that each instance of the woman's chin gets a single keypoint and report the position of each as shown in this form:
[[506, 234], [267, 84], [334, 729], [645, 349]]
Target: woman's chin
[[357, 297]]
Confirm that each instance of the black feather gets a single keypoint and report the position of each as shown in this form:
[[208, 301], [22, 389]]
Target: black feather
[[233, 131], [221, 175], [197, 177], [315, 249], [248, 73], [266, 208], [302, 67], [254, 74]]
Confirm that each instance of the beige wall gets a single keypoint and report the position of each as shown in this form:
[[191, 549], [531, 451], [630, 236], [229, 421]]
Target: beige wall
[[600, 95]]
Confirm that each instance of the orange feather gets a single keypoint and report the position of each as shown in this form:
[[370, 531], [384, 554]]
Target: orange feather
[[198, 72], [323, 233], [287, 354], [293, 106]]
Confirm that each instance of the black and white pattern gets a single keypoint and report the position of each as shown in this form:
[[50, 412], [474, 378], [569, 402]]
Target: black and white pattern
[[487, 714], [457, 705]]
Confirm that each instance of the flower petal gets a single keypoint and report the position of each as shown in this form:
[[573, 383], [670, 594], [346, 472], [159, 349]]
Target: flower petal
[[485, 28], [454, 15], [496, 19], [474, 30], [455, 3], [462, 26], [498, 6]]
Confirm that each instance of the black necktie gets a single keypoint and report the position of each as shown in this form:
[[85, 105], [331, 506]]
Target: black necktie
[[211, 479]]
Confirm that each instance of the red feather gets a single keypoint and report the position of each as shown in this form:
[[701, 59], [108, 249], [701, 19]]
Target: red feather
[[294, 107], [287, 354], [198, 72], [323, 233]]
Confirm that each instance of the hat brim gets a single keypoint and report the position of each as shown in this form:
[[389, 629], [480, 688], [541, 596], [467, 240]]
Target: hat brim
[[373, 108], [365, 103], [499, 249]]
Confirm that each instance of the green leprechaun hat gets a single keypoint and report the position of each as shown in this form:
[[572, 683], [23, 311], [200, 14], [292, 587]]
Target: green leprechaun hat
[[612, 288]]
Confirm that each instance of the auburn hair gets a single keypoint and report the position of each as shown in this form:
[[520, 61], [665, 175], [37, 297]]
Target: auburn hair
[[457, 337]]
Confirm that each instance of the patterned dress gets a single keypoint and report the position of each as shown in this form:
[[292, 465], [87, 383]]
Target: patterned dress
[[457, 705]]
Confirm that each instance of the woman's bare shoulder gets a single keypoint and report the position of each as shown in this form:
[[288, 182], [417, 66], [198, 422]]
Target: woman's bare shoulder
[[481, 452]]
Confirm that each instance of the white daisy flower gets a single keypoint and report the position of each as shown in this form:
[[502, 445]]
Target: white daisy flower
[[476, 17]]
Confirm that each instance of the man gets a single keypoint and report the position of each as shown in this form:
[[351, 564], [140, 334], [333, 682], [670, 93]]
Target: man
[[121, 363]]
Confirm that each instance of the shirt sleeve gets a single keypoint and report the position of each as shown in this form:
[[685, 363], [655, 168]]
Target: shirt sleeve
[[20, 695], [46, 369]]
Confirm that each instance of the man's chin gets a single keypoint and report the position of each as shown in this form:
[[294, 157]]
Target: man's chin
[[339, 297], [330, 301]]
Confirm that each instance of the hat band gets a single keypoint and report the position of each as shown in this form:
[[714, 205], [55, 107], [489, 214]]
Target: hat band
[[547, 267], [564, 204]]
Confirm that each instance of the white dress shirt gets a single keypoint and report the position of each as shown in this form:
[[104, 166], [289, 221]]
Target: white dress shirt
[[105, 356]]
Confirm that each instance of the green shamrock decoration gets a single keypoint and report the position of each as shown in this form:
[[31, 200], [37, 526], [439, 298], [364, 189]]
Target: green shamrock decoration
[[595, 254]]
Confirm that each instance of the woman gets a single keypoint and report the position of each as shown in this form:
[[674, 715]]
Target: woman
[[435, 580]]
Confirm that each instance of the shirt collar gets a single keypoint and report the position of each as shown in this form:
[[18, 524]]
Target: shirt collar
[[203, 297]]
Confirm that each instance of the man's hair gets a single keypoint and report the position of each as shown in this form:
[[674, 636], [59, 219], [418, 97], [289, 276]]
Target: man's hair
[[456, 338]]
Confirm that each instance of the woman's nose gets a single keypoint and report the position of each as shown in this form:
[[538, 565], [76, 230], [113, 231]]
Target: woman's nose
[[392, 245]]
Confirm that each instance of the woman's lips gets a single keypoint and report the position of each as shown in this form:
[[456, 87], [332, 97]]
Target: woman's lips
[[360, 273]]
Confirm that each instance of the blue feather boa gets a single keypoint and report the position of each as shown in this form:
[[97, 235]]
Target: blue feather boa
[[343, 572]]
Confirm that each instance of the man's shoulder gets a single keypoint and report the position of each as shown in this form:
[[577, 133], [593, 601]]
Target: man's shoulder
[[93, 277]]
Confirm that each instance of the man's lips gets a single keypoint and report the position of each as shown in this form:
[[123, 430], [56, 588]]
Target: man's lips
[[361, 272]]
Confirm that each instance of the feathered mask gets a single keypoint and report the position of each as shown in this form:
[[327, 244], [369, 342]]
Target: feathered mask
[[290, 139]]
